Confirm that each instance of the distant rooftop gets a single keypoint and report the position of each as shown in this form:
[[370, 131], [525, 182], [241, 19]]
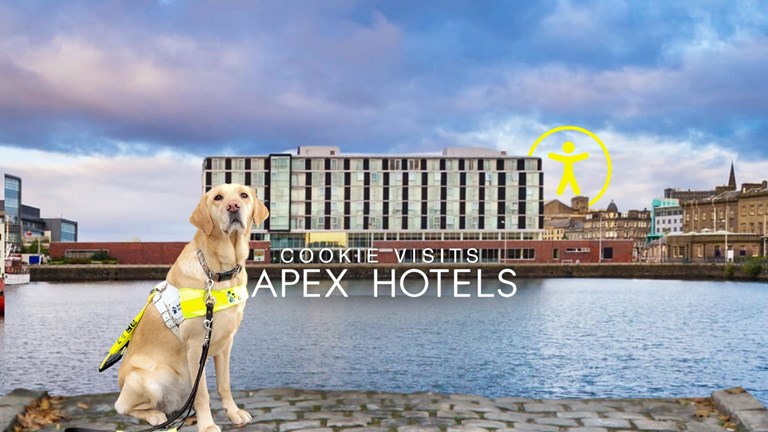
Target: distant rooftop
[[317, 151]]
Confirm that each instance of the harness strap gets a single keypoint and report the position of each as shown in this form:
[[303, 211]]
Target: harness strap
[[168, 305]]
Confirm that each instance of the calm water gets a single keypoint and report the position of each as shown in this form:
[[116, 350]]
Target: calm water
[[554, 339]]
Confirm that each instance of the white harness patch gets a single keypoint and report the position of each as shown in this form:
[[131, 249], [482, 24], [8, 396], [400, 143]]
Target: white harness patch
[[168, 302]]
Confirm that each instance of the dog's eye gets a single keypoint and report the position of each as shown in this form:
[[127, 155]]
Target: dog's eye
[[218, 198], [244, 195]]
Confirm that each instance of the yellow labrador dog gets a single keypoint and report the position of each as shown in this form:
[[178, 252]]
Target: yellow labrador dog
[[157, 372]]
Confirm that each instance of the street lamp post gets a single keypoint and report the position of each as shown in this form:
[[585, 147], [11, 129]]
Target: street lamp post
[[726, 229]]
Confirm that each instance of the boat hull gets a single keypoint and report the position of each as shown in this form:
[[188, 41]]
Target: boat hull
[[16, 279]]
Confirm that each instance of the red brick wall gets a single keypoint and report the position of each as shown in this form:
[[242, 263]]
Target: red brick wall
[[138, 252], [622, 249]]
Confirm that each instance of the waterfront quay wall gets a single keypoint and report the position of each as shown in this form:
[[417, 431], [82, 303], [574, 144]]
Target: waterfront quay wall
[[104, 272]]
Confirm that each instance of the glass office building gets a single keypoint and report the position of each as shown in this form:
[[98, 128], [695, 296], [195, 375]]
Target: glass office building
[[12, 208]]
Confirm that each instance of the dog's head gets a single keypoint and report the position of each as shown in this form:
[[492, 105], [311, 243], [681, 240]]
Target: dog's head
[[229, 208]]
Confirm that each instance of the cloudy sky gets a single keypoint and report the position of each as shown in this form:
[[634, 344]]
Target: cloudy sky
[[107, 108]]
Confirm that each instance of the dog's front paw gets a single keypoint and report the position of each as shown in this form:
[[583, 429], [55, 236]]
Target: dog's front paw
[[155, 418], [239, 417], [210, 428]]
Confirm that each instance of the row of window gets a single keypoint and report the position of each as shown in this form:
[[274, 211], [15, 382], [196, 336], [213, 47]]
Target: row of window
[[717, 252], [371, 164], [666, 230], [752, 209], [416, 207], [413, 194], [413, 222], [376, 179]]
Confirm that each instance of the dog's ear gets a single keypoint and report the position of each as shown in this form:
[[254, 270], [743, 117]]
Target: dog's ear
[[201, 217], [260, 211]]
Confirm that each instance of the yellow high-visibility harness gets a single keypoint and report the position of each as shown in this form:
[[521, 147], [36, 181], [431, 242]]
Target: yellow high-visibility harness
[[192, 304]]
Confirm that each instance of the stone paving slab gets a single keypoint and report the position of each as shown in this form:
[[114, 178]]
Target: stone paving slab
[[294, 410]]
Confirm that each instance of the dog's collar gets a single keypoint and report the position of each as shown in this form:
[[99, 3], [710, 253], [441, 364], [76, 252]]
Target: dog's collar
[[217, 277]]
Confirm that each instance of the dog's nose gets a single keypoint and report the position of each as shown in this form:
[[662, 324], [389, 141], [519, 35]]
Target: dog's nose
[[233, 206]]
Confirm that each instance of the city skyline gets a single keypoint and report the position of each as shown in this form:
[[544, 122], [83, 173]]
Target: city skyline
[[109, 110]]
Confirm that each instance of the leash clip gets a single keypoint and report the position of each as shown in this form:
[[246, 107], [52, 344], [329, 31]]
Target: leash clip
[[209, 300]]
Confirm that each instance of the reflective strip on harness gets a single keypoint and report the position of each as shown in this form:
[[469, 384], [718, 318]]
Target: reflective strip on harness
[[193, 299], [118, 348]]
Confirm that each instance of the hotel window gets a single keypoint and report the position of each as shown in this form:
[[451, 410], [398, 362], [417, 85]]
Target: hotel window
[[759, 209], [217, 164], [743, 210], [435, 223], [238, 164], [752, 210], [217, 178], [257, 179], [297, 223], [334, 164], [318, 179]]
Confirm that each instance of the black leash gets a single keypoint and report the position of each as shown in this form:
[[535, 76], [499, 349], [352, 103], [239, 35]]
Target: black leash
[[208, 324]]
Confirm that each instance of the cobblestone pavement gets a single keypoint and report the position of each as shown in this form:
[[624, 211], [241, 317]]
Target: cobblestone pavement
[[292, 410]]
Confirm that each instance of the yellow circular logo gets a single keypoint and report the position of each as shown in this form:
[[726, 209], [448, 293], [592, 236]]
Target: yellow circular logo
[[568, 160]]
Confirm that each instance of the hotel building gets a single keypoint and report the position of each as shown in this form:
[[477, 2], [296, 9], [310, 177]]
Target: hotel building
[[319, 197], [459, 199]]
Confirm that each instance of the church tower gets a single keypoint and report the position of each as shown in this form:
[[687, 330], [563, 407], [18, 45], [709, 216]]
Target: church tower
[[732, 179]]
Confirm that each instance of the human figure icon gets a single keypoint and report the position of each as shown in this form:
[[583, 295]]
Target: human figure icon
[[568, 177]]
